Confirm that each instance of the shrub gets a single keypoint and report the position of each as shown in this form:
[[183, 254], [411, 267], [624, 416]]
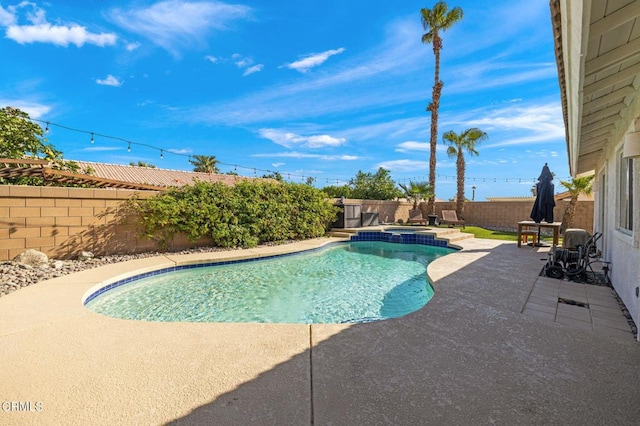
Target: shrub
[[250, 213]]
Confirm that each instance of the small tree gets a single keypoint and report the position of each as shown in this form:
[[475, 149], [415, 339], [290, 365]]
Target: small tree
[[142, 164], [378, 186], [274, 175], [205, 164], [577, 186], [22, 138], [458, 144], [334, 191], [416, 191]]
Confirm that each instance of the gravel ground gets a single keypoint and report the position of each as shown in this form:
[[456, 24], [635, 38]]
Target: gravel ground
[[14, 275]]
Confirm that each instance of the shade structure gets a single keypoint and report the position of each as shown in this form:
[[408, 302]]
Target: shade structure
[[545, 202]]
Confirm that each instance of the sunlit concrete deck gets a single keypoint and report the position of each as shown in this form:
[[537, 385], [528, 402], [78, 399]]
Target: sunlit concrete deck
[[474, 355]]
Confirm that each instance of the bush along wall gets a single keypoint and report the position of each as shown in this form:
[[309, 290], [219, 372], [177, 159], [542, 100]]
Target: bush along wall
[[245, 215]]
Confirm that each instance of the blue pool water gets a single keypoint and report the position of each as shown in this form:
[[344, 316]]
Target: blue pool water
[[352, 282]]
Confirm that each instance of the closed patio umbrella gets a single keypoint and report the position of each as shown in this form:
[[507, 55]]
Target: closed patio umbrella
[[545, 201]]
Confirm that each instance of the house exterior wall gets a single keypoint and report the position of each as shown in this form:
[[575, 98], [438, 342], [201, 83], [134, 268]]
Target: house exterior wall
[[620, 247]]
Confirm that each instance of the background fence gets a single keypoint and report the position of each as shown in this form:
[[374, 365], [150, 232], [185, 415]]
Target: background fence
[[62, 222]]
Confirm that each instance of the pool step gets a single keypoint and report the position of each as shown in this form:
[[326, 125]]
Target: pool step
[[450, 234]]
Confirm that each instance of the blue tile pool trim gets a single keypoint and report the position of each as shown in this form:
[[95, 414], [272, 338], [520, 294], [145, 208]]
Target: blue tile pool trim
[[399, 238], [428, 240]]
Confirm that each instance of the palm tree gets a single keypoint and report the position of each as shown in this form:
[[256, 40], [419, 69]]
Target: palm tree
[[205, 164], [434, 21], [416, 191], [458, 144], [577, 186]]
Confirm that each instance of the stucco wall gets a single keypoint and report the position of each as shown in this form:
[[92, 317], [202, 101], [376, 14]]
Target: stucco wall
[[620, 247]]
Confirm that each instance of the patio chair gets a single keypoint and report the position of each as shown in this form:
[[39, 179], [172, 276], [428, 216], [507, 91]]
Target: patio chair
[[449, 217], [415, 216]]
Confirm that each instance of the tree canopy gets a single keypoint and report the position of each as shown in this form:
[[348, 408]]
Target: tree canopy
[[22, 138], [205, 164]]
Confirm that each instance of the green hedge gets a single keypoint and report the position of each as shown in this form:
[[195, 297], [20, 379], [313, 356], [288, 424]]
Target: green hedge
[[245, 215]]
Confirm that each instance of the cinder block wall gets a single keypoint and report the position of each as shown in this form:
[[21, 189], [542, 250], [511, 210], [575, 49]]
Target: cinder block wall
[[62, 222], [502, 215]]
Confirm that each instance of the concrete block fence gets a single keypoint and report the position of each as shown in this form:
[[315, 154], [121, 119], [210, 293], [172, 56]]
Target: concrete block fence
[[62, 222]]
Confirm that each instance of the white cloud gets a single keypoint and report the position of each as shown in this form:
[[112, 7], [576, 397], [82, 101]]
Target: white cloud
[[211, 59], [101, 148], [34, 109], [241, 61], [521, 125], [290, 140], [110, 81], [132, 46], [40, 31], [413, 146], [252, 70], [276, 165], [58, 35], [6, 17], [175, 25], [180, 151], [295, 154], [313, 60], [399, 166]]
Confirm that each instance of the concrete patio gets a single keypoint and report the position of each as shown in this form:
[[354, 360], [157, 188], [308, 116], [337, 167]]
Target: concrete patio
[[492, 346]]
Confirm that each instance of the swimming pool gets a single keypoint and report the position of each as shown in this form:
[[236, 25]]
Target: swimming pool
[[342, 283]]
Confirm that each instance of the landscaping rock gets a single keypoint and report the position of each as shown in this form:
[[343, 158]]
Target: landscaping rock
[[32, 258], [85, 255]]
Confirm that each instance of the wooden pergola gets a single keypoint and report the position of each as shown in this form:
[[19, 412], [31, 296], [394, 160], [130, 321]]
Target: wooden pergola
[[17, 168]]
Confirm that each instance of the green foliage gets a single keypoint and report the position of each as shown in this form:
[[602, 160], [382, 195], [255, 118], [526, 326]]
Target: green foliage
[[20, 138], [205, 164], [142, 164], [250, 213], [338, 191], [378, 186], [416, 191], [275, 175]]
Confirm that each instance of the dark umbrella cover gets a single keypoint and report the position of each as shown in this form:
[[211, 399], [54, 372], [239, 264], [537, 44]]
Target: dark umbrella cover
[[545, 202]]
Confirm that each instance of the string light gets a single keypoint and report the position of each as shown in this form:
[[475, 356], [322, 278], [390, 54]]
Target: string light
[[290, 176]]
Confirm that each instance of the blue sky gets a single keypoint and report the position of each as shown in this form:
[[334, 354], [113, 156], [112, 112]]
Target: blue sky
[[310, 88]]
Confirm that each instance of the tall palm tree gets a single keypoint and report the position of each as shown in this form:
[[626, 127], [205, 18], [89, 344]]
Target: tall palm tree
[[205, 164], [458, 144], [434, 21], [416, 191], [577, 186]]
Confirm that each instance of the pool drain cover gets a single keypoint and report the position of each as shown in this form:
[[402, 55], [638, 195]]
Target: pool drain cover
[[573, 302]]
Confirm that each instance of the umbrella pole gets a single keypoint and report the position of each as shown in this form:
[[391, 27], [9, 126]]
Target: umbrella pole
[[539, 243]]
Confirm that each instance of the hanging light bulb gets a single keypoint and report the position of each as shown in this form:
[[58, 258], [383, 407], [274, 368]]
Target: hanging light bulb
[[46, 130], [129, 147], [161, 154], [92, 139]]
